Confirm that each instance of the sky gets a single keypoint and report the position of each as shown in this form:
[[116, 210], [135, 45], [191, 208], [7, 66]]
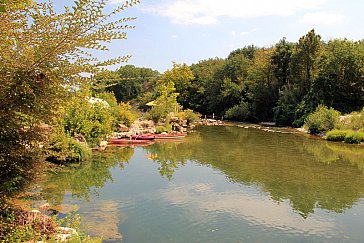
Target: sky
[[188, 31]]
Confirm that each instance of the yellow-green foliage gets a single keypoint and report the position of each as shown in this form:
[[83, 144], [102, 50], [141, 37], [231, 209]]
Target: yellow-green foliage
[[354, 137], [160, 129], [188, 115], [125, 114], [336, 135], [93, 120], [43, 55], [323, 119], [354, 121], [63, 149], [348, 136]]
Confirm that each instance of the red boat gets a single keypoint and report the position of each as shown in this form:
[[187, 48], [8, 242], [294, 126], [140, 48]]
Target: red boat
[[130, 144], [127, 141], [143, 137], [170, 136]]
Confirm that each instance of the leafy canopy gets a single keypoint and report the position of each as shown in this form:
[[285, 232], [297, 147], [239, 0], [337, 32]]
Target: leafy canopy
[[42, 55]]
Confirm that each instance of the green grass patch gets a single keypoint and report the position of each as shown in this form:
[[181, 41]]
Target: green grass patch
[[354, 137], [336, 135]]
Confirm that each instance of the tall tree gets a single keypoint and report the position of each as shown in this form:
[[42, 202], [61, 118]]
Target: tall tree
[[205, 88], [44, 53], [305, 58], [340, 82], [180, 76], [281, 59]]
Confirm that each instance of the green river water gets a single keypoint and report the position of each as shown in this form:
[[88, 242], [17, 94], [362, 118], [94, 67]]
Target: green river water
[[220, 184]]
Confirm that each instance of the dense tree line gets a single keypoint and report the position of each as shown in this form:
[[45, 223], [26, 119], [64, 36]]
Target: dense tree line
[[283, 83], [128, 84]]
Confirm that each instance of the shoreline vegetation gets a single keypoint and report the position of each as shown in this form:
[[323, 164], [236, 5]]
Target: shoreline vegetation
[[52, 113]]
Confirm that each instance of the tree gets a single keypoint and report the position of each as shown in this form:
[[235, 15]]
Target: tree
[[180, 76], [305, 58], [294, 102], [281, 59], [43, 54], [166, 92], [264, 85], [205, 88], [340, 82], [128, 83]]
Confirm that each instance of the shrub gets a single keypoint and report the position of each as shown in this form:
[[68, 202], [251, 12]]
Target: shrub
[[156, 113], [93, 120], [354, 121], [188, 115], [336, 135], [65, 149], [125, 114], [354, 137], [238, 112], [323, 119], [160, 129]]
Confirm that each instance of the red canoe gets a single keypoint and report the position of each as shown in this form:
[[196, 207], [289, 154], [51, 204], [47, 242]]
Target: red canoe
[[170, 136], [127, 141], [143, 137]]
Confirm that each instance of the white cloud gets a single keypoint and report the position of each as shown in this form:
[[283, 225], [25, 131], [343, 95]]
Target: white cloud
[[174, 36], [248, 32], [322, 18], [255, 209], [209, 11]]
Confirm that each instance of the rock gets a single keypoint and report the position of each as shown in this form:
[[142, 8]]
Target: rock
[[66, 230], [103, 144], [44, 206], [122, 128], [65, 234]]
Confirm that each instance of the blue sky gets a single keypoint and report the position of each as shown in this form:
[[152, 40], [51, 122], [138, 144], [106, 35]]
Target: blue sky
[[187, 31]]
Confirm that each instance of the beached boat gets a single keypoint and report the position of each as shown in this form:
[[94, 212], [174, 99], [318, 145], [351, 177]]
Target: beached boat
[[130, 144], [143, 137], [170, 136], [127, 141]]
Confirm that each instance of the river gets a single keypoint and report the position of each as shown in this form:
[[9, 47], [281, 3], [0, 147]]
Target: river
[[219, 184]]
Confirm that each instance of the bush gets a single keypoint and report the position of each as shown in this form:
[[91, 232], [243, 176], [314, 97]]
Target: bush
[[160, 129], [156, 113], [354, 137], [323, 119], [125, 114], [90, 117], [65, 149], [188, 115], [238, 112], [336, 135], [353, 121]]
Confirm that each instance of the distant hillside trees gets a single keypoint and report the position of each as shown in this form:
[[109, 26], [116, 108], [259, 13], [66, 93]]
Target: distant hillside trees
[[282, 83]]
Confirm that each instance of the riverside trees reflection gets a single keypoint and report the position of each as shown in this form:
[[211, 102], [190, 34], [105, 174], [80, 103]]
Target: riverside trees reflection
[[85, 178], [309, 173]]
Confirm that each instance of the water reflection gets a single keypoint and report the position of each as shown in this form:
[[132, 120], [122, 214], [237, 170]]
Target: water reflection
[[81, 180], [308, 173], [294, 170], [256, 209]]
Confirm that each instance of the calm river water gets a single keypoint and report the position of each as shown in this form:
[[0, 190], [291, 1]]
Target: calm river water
[[220, 184]]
